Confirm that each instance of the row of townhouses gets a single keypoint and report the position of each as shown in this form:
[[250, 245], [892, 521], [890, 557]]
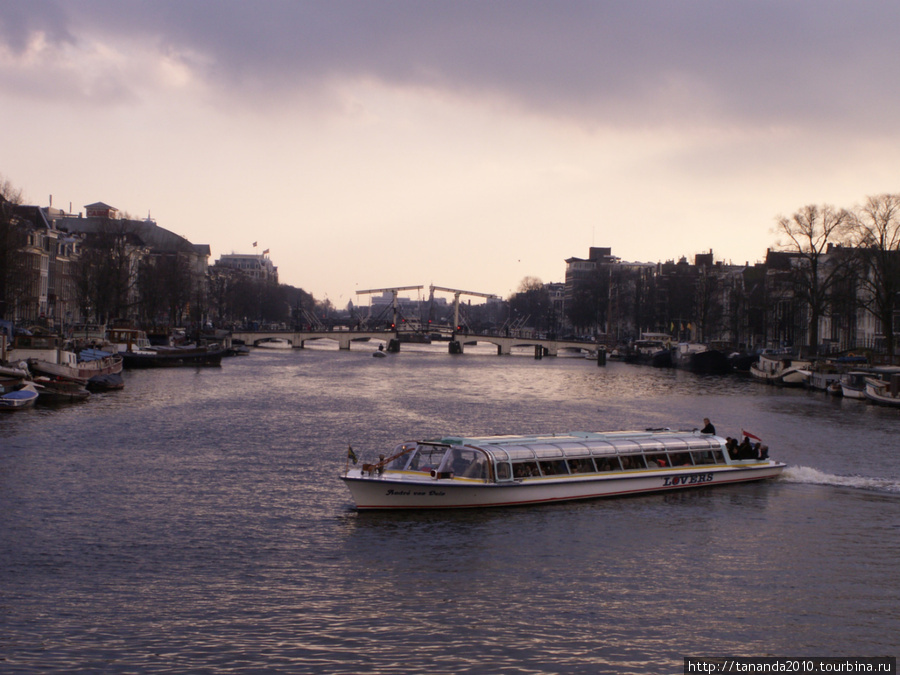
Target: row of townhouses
[[61, 268], [763, 305]]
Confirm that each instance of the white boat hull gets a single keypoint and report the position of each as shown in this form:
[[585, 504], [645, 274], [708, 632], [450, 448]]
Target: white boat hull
[[852, 392], [398, 493], [879, 392]]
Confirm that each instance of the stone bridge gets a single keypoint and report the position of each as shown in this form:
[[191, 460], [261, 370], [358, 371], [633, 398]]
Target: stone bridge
[[344, 338]]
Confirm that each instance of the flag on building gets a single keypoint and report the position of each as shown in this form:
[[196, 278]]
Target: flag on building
[[266, 252], [254, 244]]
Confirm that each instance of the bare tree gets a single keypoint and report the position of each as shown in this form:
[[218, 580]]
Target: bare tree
[[876, 232], [12, 239], [532, 300], [108, 271], [812, 232]]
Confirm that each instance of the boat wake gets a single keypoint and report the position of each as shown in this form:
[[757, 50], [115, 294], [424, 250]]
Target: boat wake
[[806, 474]]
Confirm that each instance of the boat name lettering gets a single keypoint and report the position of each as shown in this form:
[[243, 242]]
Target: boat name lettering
[[689, 479], [415, 493]]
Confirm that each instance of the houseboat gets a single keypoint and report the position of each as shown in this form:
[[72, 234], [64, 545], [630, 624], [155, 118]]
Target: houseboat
[[781, 369], [456, 472], [700, 358]]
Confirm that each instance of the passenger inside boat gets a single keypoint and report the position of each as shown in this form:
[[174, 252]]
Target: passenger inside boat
[[731, 445], [554, 467], [581, 465], [608, 464], [525, 469]]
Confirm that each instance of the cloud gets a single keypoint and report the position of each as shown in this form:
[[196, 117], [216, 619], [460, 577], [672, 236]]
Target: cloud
[[597, 63]]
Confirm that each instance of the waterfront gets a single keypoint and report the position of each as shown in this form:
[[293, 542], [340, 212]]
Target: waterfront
[[195, 521]]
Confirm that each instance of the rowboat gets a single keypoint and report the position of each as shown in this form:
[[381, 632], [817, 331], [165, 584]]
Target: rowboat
[[459, 472]]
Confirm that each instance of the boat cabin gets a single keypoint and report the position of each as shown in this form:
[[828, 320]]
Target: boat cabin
[[517, 458]]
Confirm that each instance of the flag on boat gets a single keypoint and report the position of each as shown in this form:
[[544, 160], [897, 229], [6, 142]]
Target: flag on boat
[[254, 244], [749, 435], [352, 455], [266, 252]]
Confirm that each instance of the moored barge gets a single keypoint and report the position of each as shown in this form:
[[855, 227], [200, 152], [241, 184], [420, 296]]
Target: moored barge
[[458, 472]]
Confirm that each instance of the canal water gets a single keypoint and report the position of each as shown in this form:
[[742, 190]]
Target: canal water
[[195, 522]]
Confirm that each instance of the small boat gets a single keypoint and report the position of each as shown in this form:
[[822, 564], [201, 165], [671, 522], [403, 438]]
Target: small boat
[[19, 398], [457, 472], [782, 369], [884, 387], [237, 349], [274, 343], [853, 384], [60, 390], [108, 382]]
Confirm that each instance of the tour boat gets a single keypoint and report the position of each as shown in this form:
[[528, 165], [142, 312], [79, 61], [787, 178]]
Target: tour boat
[[456, 472]]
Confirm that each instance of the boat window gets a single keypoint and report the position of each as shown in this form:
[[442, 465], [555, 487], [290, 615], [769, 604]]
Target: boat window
[[657, 459], [601, 448], [651, 446], [546, 450], [503, 471], [627, 447], [585, 465], [465, 462], [404, 458], [427, 458], [633, 462], [676, 445], [680, 459], [556, 467], [518, 452], [704, 456], [608, 464], [525, 469], [575, 449]]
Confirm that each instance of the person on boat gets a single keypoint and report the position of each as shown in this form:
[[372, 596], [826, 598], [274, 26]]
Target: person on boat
[[731, 445], [745, 450], [708, 427]]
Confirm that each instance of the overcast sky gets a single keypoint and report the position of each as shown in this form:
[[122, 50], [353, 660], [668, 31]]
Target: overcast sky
[[464, 144]]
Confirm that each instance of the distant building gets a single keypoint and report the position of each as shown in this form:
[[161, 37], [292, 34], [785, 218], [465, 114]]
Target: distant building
[[251, 265]]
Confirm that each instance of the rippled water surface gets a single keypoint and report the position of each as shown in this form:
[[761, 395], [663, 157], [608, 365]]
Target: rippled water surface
[[195, 522]]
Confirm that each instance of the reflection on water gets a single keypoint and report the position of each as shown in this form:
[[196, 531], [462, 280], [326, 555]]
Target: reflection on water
[[194, 521]]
